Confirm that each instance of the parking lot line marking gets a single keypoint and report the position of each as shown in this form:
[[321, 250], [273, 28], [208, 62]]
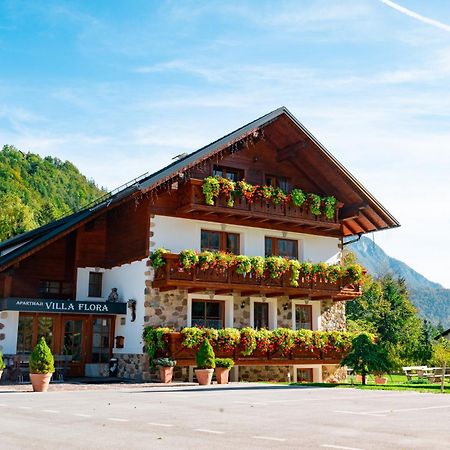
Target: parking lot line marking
[[204, 430], [410, 409], [269, 438], [51, 411], [250, 403], [155, 424], [116, 419], [357, 413], [81, 415], [342, 447]]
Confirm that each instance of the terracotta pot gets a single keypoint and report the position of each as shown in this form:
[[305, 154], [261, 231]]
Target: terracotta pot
[[222, 374], [40, 381], [204, 376], [381, 380], [166, 374], [358, 378]]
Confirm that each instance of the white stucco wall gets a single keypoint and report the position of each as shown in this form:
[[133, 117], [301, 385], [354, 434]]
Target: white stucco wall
[[129, 279], [176, 234], [10, 320]]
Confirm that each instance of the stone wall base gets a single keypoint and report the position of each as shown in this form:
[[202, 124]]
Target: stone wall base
[[334, 374], [264, 373], [132, 365]]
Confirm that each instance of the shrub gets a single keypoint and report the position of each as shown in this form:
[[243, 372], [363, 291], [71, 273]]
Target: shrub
[[165, 362], [227, 363], [205, 357], [41, 358], [2, 363]]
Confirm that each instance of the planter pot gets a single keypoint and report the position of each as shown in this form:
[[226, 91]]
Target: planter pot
[[166, 374], [204, 376], [381, 380], [222, 374], [358, 378], [40, 381]]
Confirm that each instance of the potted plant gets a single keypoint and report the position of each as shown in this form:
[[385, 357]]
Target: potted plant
[[206, 362], [166, 366], [2, 365], [42, 366], [222, 370], [379, 379]]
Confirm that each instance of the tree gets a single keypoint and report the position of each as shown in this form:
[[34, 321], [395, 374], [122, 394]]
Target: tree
[[15, 216], [205, 357], [441, 357], [386, 310], [367, 357]]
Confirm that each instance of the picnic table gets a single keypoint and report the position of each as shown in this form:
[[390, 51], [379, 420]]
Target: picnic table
[[433, 374]]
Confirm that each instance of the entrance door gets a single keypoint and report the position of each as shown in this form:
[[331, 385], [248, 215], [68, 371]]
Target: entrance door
[[74, 346]]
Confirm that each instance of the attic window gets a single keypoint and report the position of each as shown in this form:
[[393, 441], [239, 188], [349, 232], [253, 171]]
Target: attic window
[[228, 172], [278, 181]]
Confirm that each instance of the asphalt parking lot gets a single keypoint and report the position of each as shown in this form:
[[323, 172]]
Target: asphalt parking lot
[[237, 416]]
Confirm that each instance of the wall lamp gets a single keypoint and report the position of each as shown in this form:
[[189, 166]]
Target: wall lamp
[[286, 306]]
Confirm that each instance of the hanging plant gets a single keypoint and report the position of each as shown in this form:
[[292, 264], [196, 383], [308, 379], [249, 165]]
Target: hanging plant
[[315, 203], [207, 260], [334, 272], [330, 206], [298, 197], [211, 189], [276, 266], [227, 187], [157, 258], [187, 259], [294, 267], [243, 264], [258, 265], [156, 339], [248, 340], [279, 197], [245, 190], [354, 272]]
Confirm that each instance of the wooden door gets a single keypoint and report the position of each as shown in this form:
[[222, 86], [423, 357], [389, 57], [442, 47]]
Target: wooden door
[[74, 344]]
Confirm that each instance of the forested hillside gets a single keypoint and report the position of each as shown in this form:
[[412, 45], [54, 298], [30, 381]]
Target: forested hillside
[[35, 190], [430, 298]]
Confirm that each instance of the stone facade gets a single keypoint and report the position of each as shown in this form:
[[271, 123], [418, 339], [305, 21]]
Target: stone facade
[[168, 309], [264, 373], [241, 315], [284, 316], [333, 316]]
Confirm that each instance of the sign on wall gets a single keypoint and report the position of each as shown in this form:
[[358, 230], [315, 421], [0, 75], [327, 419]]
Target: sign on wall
[[62, 306]]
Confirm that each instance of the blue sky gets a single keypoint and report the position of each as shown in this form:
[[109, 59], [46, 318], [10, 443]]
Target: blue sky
[[119, 88]]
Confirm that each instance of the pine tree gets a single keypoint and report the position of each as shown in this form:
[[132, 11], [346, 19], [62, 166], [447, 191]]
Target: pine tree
[[41, 358], [205, 357]]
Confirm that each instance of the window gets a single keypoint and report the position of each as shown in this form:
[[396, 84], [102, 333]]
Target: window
[[207, 313], [25, 334], [305, 375], [45, 329], [220, 241], [281, 247], [53, 288], [279, 182], [95, 284], [260, 315], [228, 172], [100, 340], [303, 317]]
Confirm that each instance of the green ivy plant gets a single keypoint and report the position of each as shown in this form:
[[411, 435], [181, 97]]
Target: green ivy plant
[[155, 339], [211, 189], [330, 206], [157, 258], [298, 197], [315, 203]]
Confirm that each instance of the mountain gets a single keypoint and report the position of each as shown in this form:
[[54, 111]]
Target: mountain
[[430, 298], [35, 190]]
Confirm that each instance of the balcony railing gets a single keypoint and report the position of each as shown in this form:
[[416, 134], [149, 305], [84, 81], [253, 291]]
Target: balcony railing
[[172, 276], [186, 356], [257, 213]]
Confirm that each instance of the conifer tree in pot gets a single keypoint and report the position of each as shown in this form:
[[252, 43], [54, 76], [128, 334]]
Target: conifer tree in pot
[[2, 365], [206, 362], [42, 366]]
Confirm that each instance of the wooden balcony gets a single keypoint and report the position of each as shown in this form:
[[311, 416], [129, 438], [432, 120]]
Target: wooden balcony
[[170, 277], [186, 356], [191, 203]]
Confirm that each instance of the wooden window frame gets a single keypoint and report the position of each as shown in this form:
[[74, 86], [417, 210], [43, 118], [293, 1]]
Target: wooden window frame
[[275, 181], [275, 245], [311, 374], [223, 235], [266, 305], [204, 300], [92, 284], [310, 308], [64, 289], [226, 169]]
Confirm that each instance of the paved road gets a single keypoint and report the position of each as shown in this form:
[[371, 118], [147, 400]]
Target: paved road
[[238, 416]]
